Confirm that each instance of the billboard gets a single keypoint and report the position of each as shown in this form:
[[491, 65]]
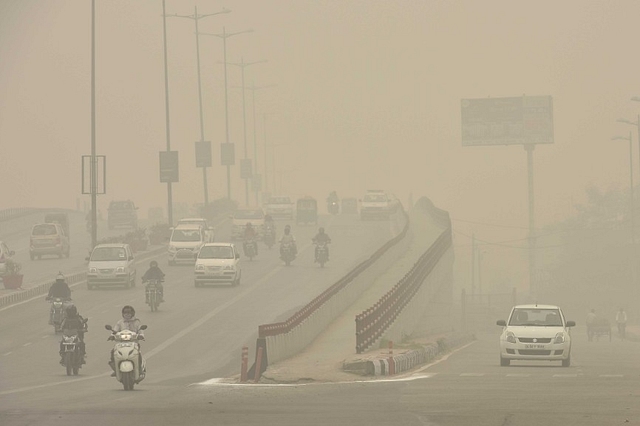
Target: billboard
[[520, 120], [169, 166]]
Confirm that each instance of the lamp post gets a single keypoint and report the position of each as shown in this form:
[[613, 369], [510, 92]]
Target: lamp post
[[633, 238], [195, 17], [242, 64], [253, 89], [224, 36]]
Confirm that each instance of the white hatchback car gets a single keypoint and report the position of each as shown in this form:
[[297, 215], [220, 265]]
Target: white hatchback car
[[536, 332], [218, 263]]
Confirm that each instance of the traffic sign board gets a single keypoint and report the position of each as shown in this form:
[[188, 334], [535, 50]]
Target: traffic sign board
[[169, 167]]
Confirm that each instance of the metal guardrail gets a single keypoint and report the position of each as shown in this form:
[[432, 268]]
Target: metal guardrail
[[8, 214], [304, 313]]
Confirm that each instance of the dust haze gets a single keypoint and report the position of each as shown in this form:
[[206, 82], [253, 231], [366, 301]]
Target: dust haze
[[362, 94]]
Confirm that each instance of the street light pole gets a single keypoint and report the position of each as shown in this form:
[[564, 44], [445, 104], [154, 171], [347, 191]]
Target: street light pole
[[242, 64], [633, 238], [224, 36], [195, 17], [94, 163], [253, 89]]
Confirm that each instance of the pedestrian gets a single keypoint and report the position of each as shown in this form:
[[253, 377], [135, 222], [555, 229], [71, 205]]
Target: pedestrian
[[621, 320], [591, 319]]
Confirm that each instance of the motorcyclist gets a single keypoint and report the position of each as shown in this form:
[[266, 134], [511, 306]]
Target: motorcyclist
[[288, 238], [250, 235], [333, 196], [128, 322], [71, 324], [321, 237], [155, 273], [269, 223], [60, 289]]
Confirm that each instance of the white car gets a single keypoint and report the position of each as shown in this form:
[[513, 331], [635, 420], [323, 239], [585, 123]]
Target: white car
[[208, 230], [536, 332], [375, 205], [218, 263], [185, 242], [111, 265]]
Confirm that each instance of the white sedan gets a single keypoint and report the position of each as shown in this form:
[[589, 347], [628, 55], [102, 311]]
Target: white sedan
[[218, 263], [535, 332]]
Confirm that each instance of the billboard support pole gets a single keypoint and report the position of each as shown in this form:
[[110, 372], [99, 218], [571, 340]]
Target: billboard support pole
[[532, 233]]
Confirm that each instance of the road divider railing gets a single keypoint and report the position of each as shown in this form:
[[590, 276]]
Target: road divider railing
[[284, 339], [8, 214], [373, 322]]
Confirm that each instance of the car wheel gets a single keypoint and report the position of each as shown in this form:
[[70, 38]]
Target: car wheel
[[504, 362], [566, 362]]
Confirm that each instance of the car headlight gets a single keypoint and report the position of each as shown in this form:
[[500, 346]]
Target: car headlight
[[200, 267], [229, 268], [120, 270], [172, 249], [511, 338], [559, 338], [93, 270]]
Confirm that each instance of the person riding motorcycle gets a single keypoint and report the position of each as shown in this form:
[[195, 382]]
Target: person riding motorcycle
[[321, 237], [73, 323], [269, 223], [155, 273], [249, 235], [333, 196], [60, 289], [288, 238], [128, 322]]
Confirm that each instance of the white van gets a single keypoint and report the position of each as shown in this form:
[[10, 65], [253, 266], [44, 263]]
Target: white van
[[185, 243]]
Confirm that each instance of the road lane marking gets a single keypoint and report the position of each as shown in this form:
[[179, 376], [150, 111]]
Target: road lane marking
[[8, 353], [444, 358], [27, 344], [565, 375], [611, 375], [471, 374], [45, 337], [518, 375], [223, 382]]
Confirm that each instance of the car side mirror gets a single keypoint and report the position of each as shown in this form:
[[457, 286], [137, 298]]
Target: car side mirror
[[108, 327], [503, 323], [86, 258], [237, 255], [143, 327], [571, 323]]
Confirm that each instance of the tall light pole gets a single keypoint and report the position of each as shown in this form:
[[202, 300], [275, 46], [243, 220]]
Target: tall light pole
[[242, 64], [253, 89], [633, 238], [264, 136], [224, 36], [166, 106], [94, 171], [195, 17]]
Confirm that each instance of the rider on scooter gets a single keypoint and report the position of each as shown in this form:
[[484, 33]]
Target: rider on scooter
[[249, 235], [128, 322], [73, 323], [155, 273], [288, 238], [321, 237], [60, 289]]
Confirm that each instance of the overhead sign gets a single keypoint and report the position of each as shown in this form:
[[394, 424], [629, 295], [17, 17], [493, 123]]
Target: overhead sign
[[245, 168], [169, 168], [94, 174], [520, 120], [203, 154], [227, 154]]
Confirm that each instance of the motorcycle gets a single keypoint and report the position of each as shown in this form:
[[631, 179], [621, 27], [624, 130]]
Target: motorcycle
[[56, 313], [250, 249], [72, 356], [286, 252], [322, 252], [153, 297], [129, 365], [269, 237], [333, 207]]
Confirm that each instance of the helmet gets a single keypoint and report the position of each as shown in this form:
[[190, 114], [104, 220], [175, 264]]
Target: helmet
[[59, 277], [321, 230], [287, 228], [153, 264], [71, 311], [129, 308], [249, 225]]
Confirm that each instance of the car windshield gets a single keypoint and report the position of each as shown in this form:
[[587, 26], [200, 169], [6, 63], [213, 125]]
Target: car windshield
[[248, 214], [121, 205], [108, 253], [216, 252], [279, 200], [306, 204], [185, 235], [191, 222], [536, 317], [44, 229], [375, 197]]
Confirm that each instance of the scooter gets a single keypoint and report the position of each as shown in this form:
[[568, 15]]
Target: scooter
[[56, 313], [250, 249], [322, 252], [286, 253], [269, 237], [333, 207], [129, 365], [152, 294], [72, 356]]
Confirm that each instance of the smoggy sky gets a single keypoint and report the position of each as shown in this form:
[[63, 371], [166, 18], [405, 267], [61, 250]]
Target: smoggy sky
[[366, 95]]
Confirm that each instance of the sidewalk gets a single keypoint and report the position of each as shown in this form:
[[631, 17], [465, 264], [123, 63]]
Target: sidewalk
[[324, 359]]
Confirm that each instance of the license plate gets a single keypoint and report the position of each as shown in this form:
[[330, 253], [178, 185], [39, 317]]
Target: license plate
[[534, 346]]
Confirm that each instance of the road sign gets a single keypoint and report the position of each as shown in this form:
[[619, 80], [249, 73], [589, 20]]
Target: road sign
[[169, 167], [94, 174], [523, 120], [203, 154], [227, 154], [245, 168]]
